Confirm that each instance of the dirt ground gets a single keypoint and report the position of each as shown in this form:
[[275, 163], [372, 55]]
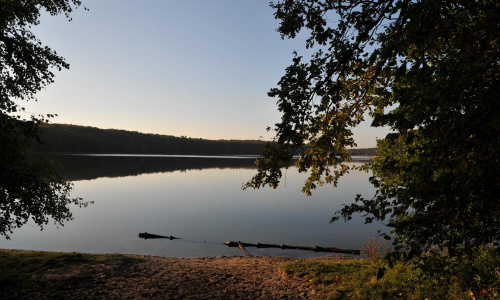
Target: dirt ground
[[150, 277]]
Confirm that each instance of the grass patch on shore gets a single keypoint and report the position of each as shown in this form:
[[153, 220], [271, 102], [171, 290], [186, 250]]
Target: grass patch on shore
[[364, 279], [22, 266], [358, 279]]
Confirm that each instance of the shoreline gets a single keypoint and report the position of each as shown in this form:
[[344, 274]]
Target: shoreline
[[128, 276]]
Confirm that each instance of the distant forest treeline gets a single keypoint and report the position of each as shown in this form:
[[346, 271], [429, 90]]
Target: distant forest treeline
[[62, 138]]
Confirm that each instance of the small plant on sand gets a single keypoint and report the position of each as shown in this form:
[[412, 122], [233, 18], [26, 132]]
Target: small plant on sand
[[374, 250]]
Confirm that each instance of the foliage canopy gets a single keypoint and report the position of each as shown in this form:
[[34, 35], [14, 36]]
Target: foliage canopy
[[28, 189], [430, 71]]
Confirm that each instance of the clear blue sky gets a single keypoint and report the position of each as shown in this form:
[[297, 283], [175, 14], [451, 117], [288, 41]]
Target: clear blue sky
[[195, 68]]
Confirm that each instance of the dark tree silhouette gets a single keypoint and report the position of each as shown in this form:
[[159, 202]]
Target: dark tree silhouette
[[28, 189], [429, 70]]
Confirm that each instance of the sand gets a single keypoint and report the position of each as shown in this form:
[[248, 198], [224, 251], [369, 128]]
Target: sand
[[153, 277]]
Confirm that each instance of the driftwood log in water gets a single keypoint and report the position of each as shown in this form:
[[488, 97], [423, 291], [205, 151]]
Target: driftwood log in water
[[146, 236], [242, 245], [282, 246]]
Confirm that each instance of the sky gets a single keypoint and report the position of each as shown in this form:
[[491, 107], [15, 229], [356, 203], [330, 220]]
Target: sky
[[192, 68]]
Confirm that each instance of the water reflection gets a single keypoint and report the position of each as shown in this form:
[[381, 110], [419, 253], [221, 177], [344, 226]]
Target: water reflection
[[200, 201], [86, 167]]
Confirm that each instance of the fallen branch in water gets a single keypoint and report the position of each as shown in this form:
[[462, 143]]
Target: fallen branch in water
[[242, 246], [283, 246]]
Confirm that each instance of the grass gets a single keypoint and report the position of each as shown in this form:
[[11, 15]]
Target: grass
[[20, 267], [335, 280], [360, 279]]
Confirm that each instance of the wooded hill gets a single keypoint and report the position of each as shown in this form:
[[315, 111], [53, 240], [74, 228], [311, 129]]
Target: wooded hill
[[62, 138]]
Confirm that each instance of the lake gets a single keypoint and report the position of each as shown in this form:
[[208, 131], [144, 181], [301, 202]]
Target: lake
[[198, 199]]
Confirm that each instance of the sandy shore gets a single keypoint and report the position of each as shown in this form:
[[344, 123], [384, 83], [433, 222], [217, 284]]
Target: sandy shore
[[152, 277]]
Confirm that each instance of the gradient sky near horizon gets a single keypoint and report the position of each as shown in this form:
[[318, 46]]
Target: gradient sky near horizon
[[196, 68]]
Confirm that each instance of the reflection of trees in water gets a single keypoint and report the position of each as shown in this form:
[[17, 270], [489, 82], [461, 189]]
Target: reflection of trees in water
[[78, 167], [82, 167]]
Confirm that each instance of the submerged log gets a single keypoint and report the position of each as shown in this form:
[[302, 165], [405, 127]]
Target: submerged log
[[242, 246], [146, 236], [283, 246]]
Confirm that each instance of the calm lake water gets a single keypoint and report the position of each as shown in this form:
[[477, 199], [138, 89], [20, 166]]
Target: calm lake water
[[198, 199]]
